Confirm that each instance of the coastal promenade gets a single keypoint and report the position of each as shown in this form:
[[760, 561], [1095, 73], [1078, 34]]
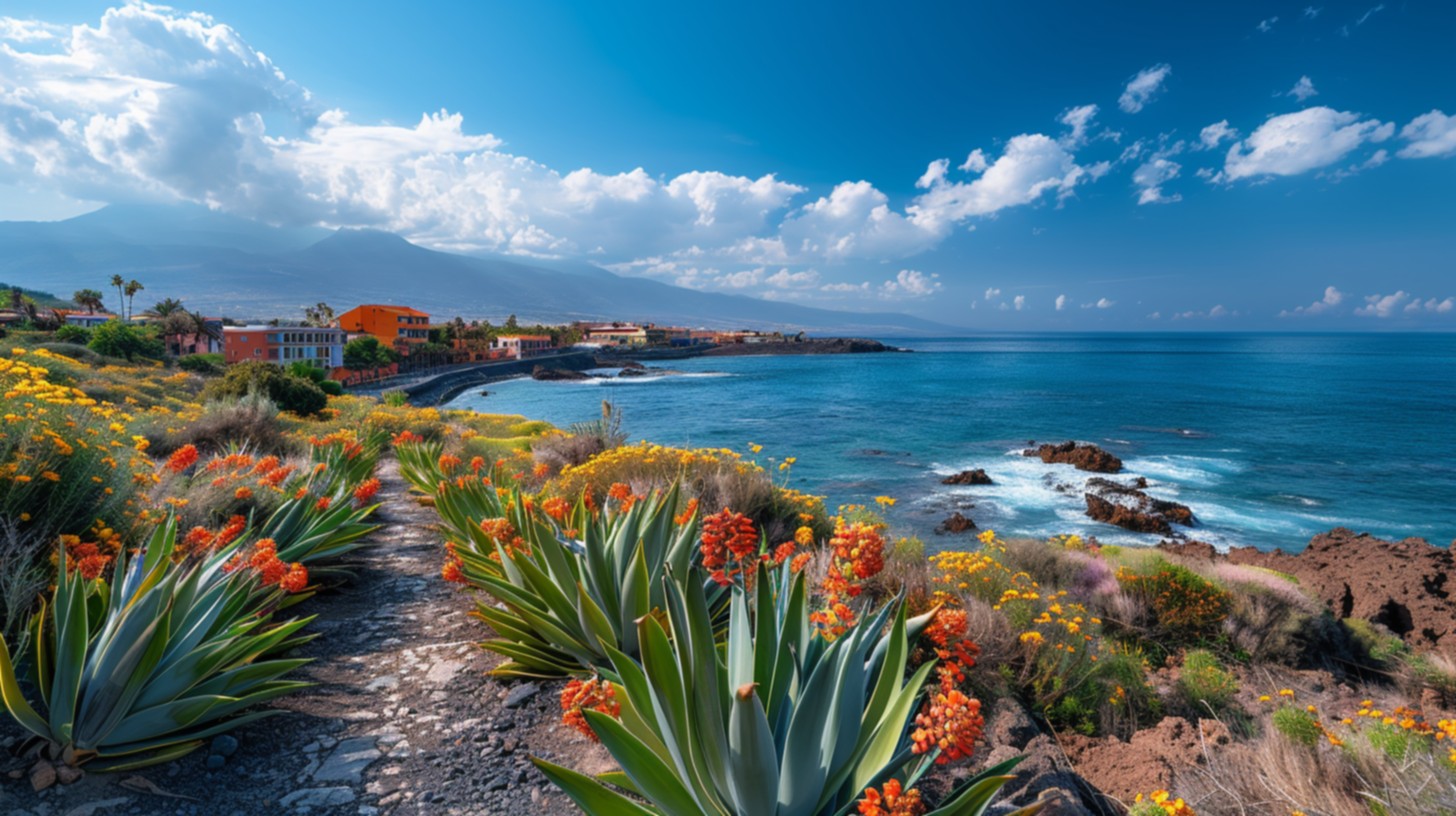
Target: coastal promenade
[[439, 388]]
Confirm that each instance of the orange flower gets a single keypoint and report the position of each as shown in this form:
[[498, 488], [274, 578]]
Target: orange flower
[[476, 463], [182, 458], [243, 493], [541, 470], [323, 503], [365, 491], [405, 438], [198, 538], [893, 802], [448, 462], [950, 721], [295, 580], [235, 526], [619, 492], [595, 695], [688, 512], [556, 507], [453, 571], [726, 535]]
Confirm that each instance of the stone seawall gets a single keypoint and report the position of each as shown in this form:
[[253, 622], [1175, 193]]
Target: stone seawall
[[445, 387]]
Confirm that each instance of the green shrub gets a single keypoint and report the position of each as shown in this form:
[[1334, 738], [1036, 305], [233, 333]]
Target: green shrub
[[290, 393], [333, 388], [79, 335], [1383, 648], [202, 363], [1183, 607], [1297, 725], [394, 398], [1205, 685], [117, 339]]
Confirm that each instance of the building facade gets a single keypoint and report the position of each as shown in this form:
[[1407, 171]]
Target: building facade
[[398, 327], [282, 345], [620, 334], [520, 346]]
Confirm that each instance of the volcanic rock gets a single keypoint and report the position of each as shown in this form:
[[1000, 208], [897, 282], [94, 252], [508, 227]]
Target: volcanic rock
[[1132, 509], [1082, 457], [1149, 760], [956, 523], [968, 477], [541, 372]]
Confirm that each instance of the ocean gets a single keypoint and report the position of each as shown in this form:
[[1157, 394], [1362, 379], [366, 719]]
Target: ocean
[[1269, 438]]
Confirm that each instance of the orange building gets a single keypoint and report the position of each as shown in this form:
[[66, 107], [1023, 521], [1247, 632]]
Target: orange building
[[398, 327]]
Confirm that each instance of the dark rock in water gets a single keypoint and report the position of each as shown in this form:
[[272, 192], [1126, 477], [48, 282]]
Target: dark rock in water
[[968, 477], [1100, 509], [1133, 494], [1082, 457], [639, 371], [1141, 483], [956, 523], [484, 393], [632, 365], [541, 372]]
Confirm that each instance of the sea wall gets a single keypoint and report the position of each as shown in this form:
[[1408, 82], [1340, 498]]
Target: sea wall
[[445, 387]]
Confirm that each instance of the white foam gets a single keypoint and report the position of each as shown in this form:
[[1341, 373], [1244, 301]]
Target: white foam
[[1193, 470]]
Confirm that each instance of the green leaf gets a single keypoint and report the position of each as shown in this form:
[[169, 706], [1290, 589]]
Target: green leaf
[[657, 780], [594, 798]]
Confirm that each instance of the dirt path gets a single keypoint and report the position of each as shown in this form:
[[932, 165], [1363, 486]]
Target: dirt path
[[402, 720]]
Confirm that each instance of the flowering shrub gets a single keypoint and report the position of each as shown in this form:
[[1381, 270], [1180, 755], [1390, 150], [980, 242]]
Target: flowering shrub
[[588, 695], [1160, 803], [892, 802], [1185, 607]]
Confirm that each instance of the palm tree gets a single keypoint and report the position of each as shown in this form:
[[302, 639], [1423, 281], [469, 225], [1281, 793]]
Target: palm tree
[[132, 287], [164, 307], [118, 282], [88, 299]]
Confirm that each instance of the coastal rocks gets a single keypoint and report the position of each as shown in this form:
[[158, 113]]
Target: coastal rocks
[[1131, 509], [1043, 776], [1082, 457], [824, 345], [955, 524], [1404, 585], [968, 477], [541, 372]]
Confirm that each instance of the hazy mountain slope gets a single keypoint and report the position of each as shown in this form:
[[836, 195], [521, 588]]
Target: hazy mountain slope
[[244, 269]]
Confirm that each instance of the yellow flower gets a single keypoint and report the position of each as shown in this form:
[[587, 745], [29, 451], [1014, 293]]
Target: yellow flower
[[884, 501], [754, 448]]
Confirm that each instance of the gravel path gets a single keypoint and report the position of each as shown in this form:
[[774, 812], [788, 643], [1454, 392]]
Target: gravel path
[[402, 720]]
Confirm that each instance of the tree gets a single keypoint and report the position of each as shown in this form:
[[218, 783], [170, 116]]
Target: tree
[[367, 354], [290, 393], [117, 339], [132, 287], [118, 282], [511, 324], [168, 306], [89, 299], [320, 314]]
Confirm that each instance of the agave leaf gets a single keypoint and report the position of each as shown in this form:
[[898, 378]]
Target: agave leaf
[[886, 734], [594, 798], [754, 759], [657, 780], [14, 701]]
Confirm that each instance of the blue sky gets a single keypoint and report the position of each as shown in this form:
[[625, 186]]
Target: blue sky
[[1248, 165]]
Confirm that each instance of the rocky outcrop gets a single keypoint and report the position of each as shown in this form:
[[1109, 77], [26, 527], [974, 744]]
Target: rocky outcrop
[[1129, 507], [968, 477], [956, 524], [1082, 457], [541, 372], [1404, 585], [822, 345], [1044, 775]]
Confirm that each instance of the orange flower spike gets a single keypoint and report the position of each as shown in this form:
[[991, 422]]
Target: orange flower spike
[[365, 491], [182, 458], [453, 571]]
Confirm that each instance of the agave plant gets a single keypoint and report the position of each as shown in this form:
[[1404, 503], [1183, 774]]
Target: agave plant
[[784, 722], [145, 669], [309, 530]]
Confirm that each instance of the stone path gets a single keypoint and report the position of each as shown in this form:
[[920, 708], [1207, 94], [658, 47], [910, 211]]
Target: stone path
[[402, 720]]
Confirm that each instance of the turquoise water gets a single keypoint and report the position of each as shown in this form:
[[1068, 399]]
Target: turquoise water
[[1269, 438]]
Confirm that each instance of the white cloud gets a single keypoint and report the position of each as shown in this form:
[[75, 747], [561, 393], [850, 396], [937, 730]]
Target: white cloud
[[1266, 26], [1310, 12], [1155, 316], [911, 283], [933, 174], [743, 279], [1332, 298], [1303, 89], [1100, 303], [1294, 143], [1078, 119], [30, 31], [785, 279], [1382, 305], [1217, 311], [1367, 15], [1019, 302], [975, 162], [845, 288], [992, 292], [1143, 87], [1430, 134], [1031, 166], [1213, 135], [1061, 302], [1150, 177]]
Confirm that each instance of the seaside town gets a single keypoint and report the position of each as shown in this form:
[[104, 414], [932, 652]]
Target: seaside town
[[368, 345]]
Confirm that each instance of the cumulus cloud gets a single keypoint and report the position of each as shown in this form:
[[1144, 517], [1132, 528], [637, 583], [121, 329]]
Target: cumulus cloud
[[911, 283], [1215, 313], [1310, 12], [845, 288], [1303, 89], [1019, 302], [1100, 303], [1332, 298], [1266, 26], [1061, 302], [1215, 134], [975, 162], [1143, 87], [1385, 306], [991, 292], [1429, 135], [1295, 143]]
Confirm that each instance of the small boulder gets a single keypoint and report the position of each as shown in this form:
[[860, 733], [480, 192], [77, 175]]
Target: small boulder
[[968, 477], [956, 523], [1082, 457]]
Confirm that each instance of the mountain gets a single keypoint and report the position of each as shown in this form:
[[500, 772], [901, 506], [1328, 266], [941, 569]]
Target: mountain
[[221, 264]]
